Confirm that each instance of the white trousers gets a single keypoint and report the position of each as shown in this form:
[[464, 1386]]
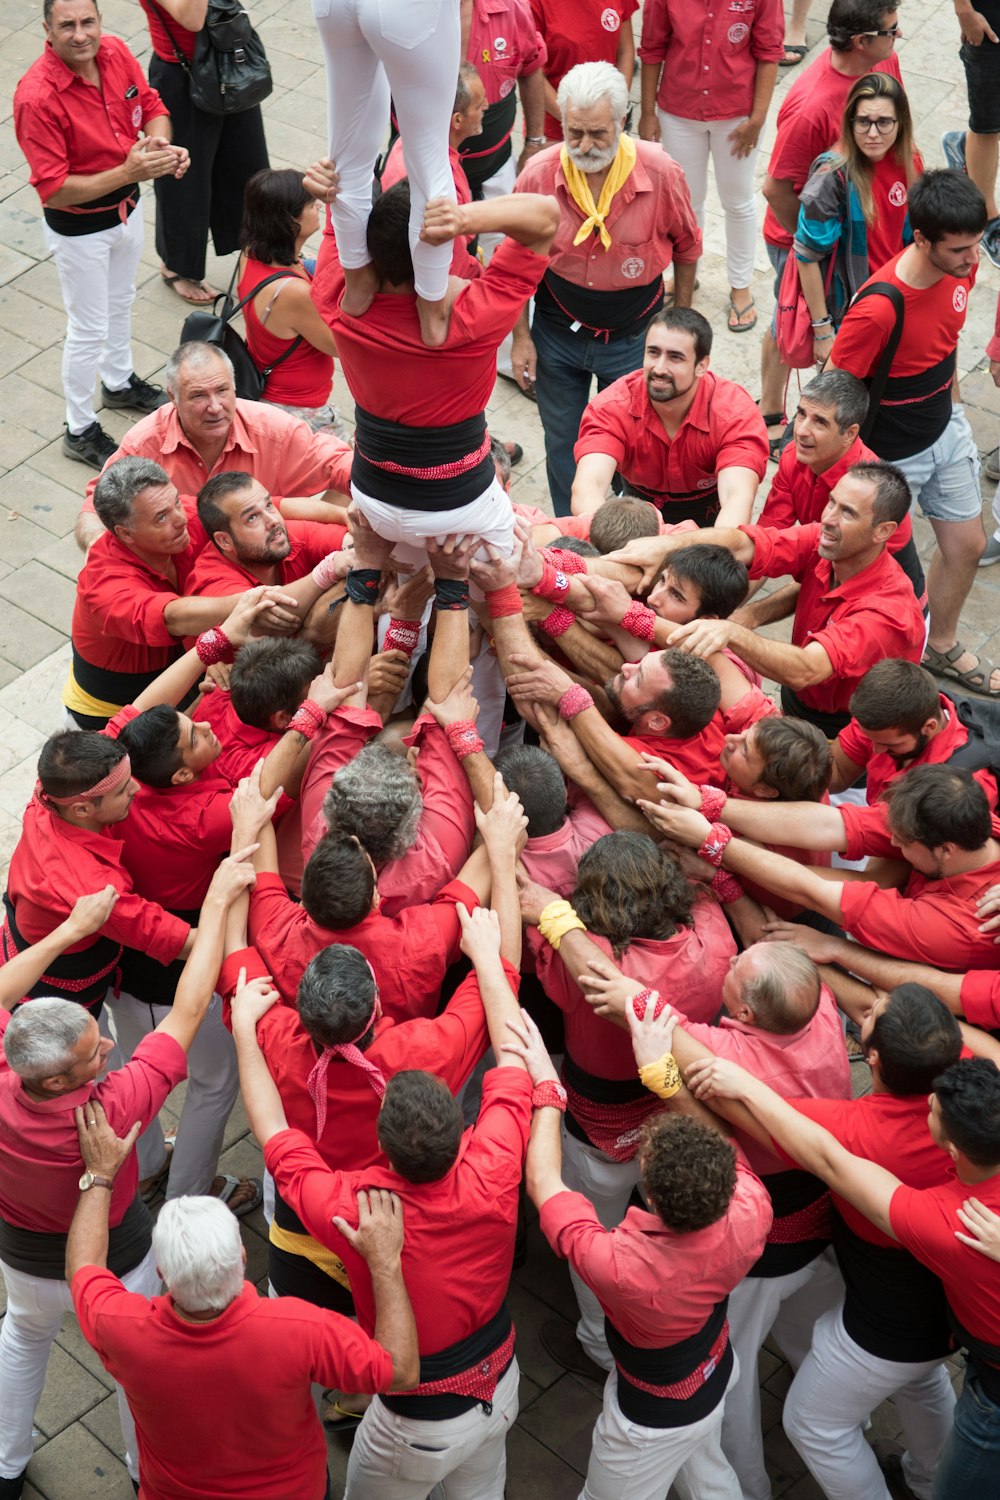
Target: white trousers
[[35, 1308], [400, 1458], [409, 49], [97, 281], [836, 1387], [788, 1307], [490, 517], [629, 1462], [691, 143], [608, 1186], [212, 1085]]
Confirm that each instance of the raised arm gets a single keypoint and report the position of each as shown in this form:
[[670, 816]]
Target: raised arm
[[530, 218], [23, 971]]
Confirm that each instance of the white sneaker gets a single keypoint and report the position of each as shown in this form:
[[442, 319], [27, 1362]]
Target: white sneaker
[[991, 554]]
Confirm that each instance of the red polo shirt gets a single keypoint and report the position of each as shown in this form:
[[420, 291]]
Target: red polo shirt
[[448, 1045], [980, 997], [40, 1162], [723, 429], [242, 745], [929, 921], [798, 496], [67, 127], [311, 541], [409, 953], [933, 319], [925, 1221], [504, 44], [459, 1239], [859, 622], [697, 757], [710, 56], [629, 1269], [577, 31], [275, 1347]]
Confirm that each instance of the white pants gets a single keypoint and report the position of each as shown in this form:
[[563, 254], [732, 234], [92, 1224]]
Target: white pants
[[212, 1086], [409, 48], [629, 1462], [401, 1458], [608, 1186], [97, 281], [490, 517], [35, 1308], [691, 143], [788, 1307], [836, 1387]]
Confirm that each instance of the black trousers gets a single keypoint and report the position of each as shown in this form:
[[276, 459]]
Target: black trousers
[[225, 150]]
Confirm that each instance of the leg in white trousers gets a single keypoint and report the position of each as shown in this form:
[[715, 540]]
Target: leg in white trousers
[[690, 143], [629, 1462], [608, 1186], [836, 1387], [788, 1306], [97, 280], [213, 1083], [411, 49], [35, 1309], [465, 1458]]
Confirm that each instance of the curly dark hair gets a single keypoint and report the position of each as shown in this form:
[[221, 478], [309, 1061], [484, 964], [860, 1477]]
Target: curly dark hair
[[628, 887], [688, 1171]]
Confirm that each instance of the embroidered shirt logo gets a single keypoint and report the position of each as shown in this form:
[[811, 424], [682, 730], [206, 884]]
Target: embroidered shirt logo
[[738, 33], [610, 19], [633, 267]]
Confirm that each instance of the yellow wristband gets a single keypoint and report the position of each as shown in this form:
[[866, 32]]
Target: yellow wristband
[[663, 1077], [556, 920]]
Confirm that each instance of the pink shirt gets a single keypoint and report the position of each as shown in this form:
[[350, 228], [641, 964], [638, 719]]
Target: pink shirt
[[710, 49], [504, 44], [552, 858]]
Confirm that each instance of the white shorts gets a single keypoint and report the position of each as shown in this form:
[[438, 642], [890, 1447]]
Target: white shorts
[[490, 517]]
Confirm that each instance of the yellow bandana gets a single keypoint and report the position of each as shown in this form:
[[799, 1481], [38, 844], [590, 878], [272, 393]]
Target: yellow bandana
[[579, 188]]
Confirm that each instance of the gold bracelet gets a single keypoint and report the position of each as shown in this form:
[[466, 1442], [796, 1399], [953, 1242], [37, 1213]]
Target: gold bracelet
[[556, 920], [662, 1077]]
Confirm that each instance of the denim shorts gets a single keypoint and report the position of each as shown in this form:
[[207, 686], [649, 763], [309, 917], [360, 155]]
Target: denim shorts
[[944, 478], [982, 78], [777, 255]]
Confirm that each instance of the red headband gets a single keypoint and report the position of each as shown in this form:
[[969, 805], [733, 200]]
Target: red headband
[[350, 1052], [115, 779]]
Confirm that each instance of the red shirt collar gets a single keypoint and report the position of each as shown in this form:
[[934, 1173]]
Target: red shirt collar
[[60, 75]]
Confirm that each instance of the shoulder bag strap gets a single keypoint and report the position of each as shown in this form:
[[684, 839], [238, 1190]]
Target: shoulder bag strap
[[165, 18], [275, 276], [877, 387]]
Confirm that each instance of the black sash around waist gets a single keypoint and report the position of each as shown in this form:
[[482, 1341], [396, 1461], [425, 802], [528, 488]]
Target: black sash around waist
[[116, 687], [83, 976], [454, 1360], [421, 468], [700, 506], [44, 1255], [612, 315], [484, 154], [829, 723], [914, 411], [149, 980], [984, 1356], [89, 218], [790, 1192], [600, 1090], [667, 1366]]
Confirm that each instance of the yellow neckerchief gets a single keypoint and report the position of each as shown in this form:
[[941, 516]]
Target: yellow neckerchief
[[579, 189]]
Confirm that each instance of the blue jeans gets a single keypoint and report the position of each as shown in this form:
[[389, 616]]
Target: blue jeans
[[567, 363], [970, 1464]]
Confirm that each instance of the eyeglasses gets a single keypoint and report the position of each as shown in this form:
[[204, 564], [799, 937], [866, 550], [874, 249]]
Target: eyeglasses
[[884, 124], [888, 31]]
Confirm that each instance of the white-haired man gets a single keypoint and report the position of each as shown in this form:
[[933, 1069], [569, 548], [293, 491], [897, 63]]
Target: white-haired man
[[625, 216], [240, 1422]]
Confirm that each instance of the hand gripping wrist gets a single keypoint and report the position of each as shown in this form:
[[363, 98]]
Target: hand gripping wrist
[[556, 920], [308, 719], [575, 700], [713, 800], [213, 646], [714, 847]]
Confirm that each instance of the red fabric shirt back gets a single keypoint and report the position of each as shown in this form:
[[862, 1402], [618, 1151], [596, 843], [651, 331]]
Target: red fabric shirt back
[[697, 757], [925, 1221], [311, 541], [247, 1373], [552, 858], [576, 31], [930, 921], [933, 318], [723, 429], [305, 377], [459, 1230], [798, 496], [710, 53]]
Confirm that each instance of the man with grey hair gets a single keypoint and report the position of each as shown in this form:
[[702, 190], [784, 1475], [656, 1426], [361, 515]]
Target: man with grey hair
[[625, 216], [53, 1056], [240, 1420], [207, 429]]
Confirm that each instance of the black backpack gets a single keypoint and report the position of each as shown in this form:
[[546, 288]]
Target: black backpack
[[217, 328], [229, 71], [981, 718]]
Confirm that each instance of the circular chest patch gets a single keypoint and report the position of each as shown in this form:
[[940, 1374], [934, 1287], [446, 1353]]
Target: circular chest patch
[[506, 87], [500, 44], [897, 194], [738, 33], [959, 298], [633, 267], [610, 20]]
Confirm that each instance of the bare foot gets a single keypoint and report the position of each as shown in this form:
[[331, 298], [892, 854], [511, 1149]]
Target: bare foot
[[360, 286]]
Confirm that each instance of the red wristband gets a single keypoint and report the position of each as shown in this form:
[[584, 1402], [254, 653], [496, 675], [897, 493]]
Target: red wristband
[[308, 719], [725, 887], [214, 645], [647, 997], [575, 700], [557, 621], [505, 601], [715, 843], [402, 635], [463, 738], [713, 800], [639, 621], [549, 1095], [553, 584], [567, 561]]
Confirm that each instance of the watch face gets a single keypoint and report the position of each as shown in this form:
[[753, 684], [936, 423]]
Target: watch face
[[86, 1181]]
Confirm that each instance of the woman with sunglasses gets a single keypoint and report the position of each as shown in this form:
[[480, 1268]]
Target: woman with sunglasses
[[853, 206]]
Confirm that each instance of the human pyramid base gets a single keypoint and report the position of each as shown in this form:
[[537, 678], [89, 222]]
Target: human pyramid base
[[462, 840]]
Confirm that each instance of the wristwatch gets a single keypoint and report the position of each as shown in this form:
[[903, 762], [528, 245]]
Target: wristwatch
[[549, 1095], [88, 1180]]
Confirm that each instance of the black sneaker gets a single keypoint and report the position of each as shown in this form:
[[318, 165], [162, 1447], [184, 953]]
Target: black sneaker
[[138, 395], [92, 446], [990, 243]]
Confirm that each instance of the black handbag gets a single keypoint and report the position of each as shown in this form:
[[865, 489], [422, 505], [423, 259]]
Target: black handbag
[[216, 328], [229, 71]]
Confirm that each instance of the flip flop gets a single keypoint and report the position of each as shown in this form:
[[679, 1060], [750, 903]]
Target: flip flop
[[229, 1187], [976, 679], [741, 312], [206, 301], [792, 62]]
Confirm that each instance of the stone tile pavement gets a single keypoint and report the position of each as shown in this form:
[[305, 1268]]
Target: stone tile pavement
[[78, 1443]]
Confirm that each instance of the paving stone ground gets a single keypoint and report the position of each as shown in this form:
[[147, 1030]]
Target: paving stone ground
[[78, 1444]]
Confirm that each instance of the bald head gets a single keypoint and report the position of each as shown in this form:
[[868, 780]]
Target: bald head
[[778, 984]]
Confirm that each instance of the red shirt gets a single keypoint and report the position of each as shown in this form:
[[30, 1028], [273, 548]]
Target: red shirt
[[723, 429], [858, 622], [459, 1230], [993, 347], [441, 386], [448, 1045], [161, 38], [692, 964], [933, 318], [697, 757], [577, 31], [215, 574], [277, 450], [889, 190], [305, 377], [40, 1161], [710, 53], [55, 863], [345, 732], [504, 45], [247, 1373], [629, 1268], [929, 921], [242, 745], [409, 953], [118, 622], [67, 127], [651, 222], [925, 1221], [809, 122], [980, 997]]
